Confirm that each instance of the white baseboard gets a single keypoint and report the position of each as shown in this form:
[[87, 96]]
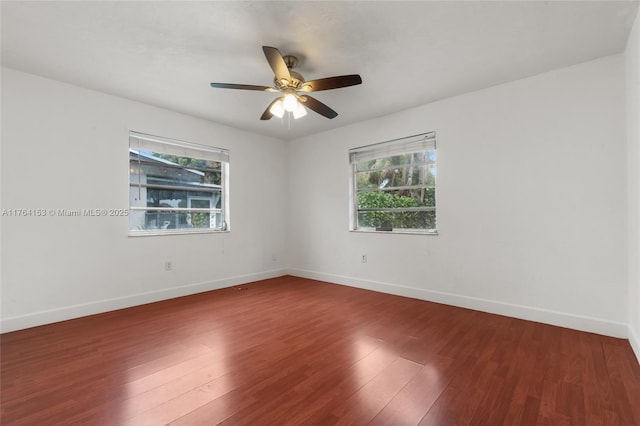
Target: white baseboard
[[577, 322], [634, 340], [76, 311], [562, 319]]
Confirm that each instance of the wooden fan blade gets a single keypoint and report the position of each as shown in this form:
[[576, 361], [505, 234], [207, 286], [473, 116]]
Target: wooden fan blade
[[317, 106], [266, 115], [331, 83], [276, 62], [243, 87]]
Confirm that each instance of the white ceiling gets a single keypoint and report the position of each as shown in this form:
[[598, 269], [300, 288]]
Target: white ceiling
[[408, 53]]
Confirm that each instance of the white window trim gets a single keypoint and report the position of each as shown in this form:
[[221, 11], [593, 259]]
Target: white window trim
[[415, 143], [185, 149]]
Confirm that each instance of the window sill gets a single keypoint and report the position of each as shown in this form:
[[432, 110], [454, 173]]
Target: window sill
[[174, 232], [396, 231]]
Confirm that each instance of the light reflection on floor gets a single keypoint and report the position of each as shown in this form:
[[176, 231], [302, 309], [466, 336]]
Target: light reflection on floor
[[376, 387], [186, 386]]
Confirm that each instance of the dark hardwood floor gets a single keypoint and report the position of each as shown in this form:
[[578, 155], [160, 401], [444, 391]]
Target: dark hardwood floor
[[291, 351]]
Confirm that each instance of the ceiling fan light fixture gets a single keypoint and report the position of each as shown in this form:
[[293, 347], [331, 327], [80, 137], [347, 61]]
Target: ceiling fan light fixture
[[290, 102], [277, 108], [299, 112]]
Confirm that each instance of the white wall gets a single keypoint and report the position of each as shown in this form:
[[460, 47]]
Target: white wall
[[66, 147], [632, 55], [531, 202]]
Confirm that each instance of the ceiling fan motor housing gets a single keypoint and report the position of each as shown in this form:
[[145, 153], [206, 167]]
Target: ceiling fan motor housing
[[296, 78]]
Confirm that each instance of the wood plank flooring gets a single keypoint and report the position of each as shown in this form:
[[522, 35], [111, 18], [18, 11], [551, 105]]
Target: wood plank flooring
[[291, 351]]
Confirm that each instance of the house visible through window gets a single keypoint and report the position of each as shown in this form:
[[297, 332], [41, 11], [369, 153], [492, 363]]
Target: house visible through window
[[176, 187], [394, 185]]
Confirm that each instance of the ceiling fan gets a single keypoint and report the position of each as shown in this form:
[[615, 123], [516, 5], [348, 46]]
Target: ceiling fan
[[294, 88]]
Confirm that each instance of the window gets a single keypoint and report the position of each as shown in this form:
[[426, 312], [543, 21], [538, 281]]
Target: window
[[176, 187], [394, 185]]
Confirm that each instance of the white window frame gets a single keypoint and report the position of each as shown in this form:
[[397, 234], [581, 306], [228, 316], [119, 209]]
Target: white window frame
[[423, 142], [137, 203]]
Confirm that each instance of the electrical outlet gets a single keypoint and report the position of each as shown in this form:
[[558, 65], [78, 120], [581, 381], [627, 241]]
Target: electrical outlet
[[364, 258], [168, 265], [274, 257]]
